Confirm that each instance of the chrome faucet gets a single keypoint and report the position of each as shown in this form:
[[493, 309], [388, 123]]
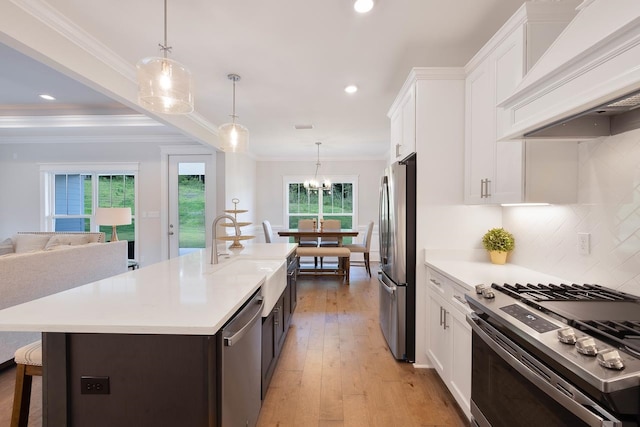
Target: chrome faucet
[[214, 235]]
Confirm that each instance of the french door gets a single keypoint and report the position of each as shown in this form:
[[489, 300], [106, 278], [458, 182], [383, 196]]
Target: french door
[[187, 225]]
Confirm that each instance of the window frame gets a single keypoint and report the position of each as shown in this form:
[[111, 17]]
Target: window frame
[[47, 189], [298, 179]]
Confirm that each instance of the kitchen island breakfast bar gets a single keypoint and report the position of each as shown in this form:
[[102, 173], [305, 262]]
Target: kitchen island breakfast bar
[[145, 347]]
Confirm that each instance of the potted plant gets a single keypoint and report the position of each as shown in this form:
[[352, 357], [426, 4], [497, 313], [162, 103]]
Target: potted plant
[[499, 243]]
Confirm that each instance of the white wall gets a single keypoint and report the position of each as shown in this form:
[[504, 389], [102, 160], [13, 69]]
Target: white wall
[[20, 184], [608, 208], [240, 183]]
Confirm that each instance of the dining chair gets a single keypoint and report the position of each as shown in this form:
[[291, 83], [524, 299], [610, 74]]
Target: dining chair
[[308, 242], [363, 248], [325, 242], [268, 232]]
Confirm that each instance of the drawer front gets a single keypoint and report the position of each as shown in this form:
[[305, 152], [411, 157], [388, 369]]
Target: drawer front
[[437, 282]]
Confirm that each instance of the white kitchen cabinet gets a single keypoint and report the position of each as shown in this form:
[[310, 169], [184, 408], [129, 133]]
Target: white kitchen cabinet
[[449, 336], [499, 171], [403, 124]]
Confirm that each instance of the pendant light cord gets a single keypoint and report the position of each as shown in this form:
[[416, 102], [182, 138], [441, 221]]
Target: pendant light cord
[[234, 78], [165, 47]]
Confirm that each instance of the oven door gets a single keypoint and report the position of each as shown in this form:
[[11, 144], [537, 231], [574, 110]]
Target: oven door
[[510, 387]]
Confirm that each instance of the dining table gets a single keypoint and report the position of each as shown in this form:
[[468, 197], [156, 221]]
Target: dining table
[[297, 234]]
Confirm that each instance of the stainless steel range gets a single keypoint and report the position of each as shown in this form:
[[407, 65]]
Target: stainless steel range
[[554, 355]]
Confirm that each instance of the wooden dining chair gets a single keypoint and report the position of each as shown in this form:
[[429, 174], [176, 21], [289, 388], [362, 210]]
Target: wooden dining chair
[[308, 242], [363, 248], [330, 242]]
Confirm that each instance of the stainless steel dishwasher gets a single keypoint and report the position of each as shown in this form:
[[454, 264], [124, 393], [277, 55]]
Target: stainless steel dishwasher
[[241, 365]]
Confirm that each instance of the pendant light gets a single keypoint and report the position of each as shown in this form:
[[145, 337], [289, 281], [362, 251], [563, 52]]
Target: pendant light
[[313, 184], [164, 85], [234, 136]]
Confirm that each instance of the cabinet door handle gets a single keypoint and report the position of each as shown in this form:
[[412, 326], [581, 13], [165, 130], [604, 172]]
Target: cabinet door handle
[[482, 188], [486, 191], [441, 310], [444, 323], [435, 282]]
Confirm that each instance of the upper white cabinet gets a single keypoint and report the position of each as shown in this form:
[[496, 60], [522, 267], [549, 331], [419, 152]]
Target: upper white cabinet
[[426, 114], [499, 172], [403, 124]]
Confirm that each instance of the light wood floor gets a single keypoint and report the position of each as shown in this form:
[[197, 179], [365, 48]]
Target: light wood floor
[[335, 368]]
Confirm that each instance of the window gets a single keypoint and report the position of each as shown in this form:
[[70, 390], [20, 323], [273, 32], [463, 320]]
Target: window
[[72, 192], [338, 203]]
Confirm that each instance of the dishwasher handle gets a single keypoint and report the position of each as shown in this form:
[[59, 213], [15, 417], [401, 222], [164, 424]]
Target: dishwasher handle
[[254, 309]]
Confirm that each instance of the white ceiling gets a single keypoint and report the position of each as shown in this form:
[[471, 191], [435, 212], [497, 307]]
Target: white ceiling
[[294, 56]]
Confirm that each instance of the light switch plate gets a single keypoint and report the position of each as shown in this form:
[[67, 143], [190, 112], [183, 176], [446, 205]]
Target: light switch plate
[[584, 243]]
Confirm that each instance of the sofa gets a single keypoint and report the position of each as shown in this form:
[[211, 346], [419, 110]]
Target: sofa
[[34, 265]]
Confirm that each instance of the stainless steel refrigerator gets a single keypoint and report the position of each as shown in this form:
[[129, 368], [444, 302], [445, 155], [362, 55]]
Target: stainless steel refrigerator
[[397, 276]]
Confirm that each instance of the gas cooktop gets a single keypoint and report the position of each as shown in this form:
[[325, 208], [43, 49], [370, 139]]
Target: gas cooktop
[[611, 315]]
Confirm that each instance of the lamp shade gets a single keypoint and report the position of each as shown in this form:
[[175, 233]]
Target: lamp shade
[[234, 137], [113, 216], [164, 86]]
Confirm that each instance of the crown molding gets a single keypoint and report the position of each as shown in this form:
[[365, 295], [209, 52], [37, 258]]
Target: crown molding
[[77, 121], [97, 139]]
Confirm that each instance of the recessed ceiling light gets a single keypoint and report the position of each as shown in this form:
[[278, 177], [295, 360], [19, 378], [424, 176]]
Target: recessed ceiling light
[[363, 6], [351, 89], [47, 97]]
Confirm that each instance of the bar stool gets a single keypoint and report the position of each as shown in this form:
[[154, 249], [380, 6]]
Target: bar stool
[[29, 361]]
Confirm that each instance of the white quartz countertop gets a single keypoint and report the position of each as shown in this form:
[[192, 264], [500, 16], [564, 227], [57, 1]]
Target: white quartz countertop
[[184, 295], [469, 273]]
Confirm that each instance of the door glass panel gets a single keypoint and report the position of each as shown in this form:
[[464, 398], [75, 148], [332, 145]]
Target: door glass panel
[[191, 207]]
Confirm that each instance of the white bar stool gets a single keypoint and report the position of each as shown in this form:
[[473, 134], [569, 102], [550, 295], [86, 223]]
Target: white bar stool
[[29, 361]]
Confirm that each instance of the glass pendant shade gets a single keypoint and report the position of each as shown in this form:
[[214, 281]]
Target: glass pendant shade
[[234, 137], [164, 86]]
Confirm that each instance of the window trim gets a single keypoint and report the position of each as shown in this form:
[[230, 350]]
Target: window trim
[[292, 179], [48, 170]]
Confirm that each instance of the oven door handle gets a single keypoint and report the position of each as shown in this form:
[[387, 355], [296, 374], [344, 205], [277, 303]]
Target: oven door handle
[[579, 404]]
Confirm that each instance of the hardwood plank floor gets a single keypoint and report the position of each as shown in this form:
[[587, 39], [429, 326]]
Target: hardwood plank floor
[[335, 368]]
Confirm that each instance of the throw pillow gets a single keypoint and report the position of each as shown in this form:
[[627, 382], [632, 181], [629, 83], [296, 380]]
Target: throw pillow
[[6, 246], [66, 240], [30, 242]]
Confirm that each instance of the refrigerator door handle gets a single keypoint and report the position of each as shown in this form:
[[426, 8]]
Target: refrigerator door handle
[[390, 289]]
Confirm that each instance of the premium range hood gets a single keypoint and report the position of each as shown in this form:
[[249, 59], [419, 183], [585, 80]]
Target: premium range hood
[[611, 118], [587, 84]]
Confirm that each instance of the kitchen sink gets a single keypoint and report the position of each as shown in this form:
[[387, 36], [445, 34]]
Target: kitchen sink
[[275, 272]]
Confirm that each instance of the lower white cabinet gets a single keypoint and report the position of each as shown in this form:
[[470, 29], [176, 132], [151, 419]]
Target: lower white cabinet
[[449, 336]]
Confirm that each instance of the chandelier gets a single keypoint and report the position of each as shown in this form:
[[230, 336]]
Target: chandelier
[[234, 136], [164, 85], [313, 184]]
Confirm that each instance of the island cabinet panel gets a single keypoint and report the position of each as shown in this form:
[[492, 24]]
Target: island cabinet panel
[[274, 331], [153, 380]]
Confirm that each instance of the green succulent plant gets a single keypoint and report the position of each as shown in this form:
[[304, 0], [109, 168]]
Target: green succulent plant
[[498, 239]]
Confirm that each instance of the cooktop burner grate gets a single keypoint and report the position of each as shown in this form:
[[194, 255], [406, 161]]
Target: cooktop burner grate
[[562, 292]]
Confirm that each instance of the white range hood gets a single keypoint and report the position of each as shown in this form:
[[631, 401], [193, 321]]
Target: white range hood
[[594, 61]]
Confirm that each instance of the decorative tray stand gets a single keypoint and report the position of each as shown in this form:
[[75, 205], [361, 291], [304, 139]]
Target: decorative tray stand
[[236, 239]]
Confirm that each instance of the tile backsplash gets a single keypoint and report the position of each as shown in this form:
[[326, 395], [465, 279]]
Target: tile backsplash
[[608, 209]]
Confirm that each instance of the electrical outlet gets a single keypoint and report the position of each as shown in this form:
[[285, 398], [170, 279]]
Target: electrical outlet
[[94, 385], [584, 247]]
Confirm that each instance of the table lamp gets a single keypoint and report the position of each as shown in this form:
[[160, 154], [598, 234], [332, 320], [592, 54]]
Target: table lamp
[[113, 217]]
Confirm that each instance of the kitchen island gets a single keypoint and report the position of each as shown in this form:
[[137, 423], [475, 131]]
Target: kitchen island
[[143, 347]]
